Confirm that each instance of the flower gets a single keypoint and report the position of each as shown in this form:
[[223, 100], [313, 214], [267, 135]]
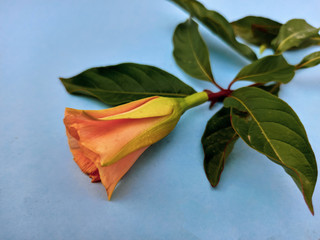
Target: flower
[[106, 143]]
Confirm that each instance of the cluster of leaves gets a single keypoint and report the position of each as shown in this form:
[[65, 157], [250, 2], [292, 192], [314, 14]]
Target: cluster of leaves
[[254, 113]]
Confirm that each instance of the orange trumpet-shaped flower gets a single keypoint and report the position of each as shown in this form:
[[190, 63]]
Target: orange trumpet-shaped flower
[[106, 143]]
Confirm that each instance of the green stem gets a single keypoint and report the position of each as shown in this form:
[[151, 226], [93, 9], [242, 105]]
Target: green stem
[[194, 100]]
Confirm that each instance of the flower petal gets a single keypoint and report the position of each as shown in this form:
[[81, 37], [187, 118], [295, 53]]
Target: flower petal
[[119, 109], [89, 163], [106, 138], [111, 175], [85, 164], [110, 137], [156, 108]]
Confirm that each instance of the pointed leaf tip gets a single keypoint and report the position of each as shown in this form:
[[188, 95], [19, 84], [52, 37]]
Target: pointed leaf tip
[[218, 140], [217, 24], [270, 126], [126, 82], [191, 52]]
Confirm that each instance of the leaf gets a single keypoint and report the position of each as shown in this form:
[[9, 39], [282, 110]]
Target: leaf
[[312, 41], [261, 31], [217, 24], [270, 126], [293, 34], [217, 141], [273, 88], [267, 69], [219, 138], [191, 52], [310, 60], [126, 82], [256, 30]]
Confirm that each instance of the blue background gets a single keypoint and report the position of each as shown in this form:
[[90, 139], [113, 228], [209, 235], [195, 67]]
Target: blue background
[[44, 195]]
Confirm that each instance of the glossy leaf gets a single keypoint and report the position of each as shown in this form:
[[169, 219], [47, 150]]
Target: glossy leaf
[[217, 24], [267, 69], [256, 30], [217, 141], [292, 34], [191, 52], [270, 126], [219, 138], [126, 82], [310, 60]]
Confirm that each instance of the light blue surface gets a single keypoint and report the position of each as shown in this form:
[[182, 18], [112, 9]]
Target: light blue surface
[[44, 195]]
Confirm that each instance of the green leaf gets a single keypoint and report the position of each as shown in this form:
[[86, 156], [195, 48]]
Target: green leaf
[[292, 34], [219, 138], [272, 88], [217, 24], [310, 60], [191, 52], [312, 41], [261, 31], [126, 82], [256, 30], [217, 141], [270, 126], [267, 69]]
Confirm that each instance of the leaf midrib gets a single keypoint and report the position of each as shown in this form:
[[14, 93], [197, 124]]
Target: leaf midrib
[[261, 74], [263, 132], [290, 36], [126, 92], [280, 160], [196, 57], [307, 62]]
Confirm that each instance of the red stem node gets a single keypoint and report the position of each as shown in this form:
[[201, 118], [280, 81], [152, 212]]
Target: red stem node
[[218, 96]]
